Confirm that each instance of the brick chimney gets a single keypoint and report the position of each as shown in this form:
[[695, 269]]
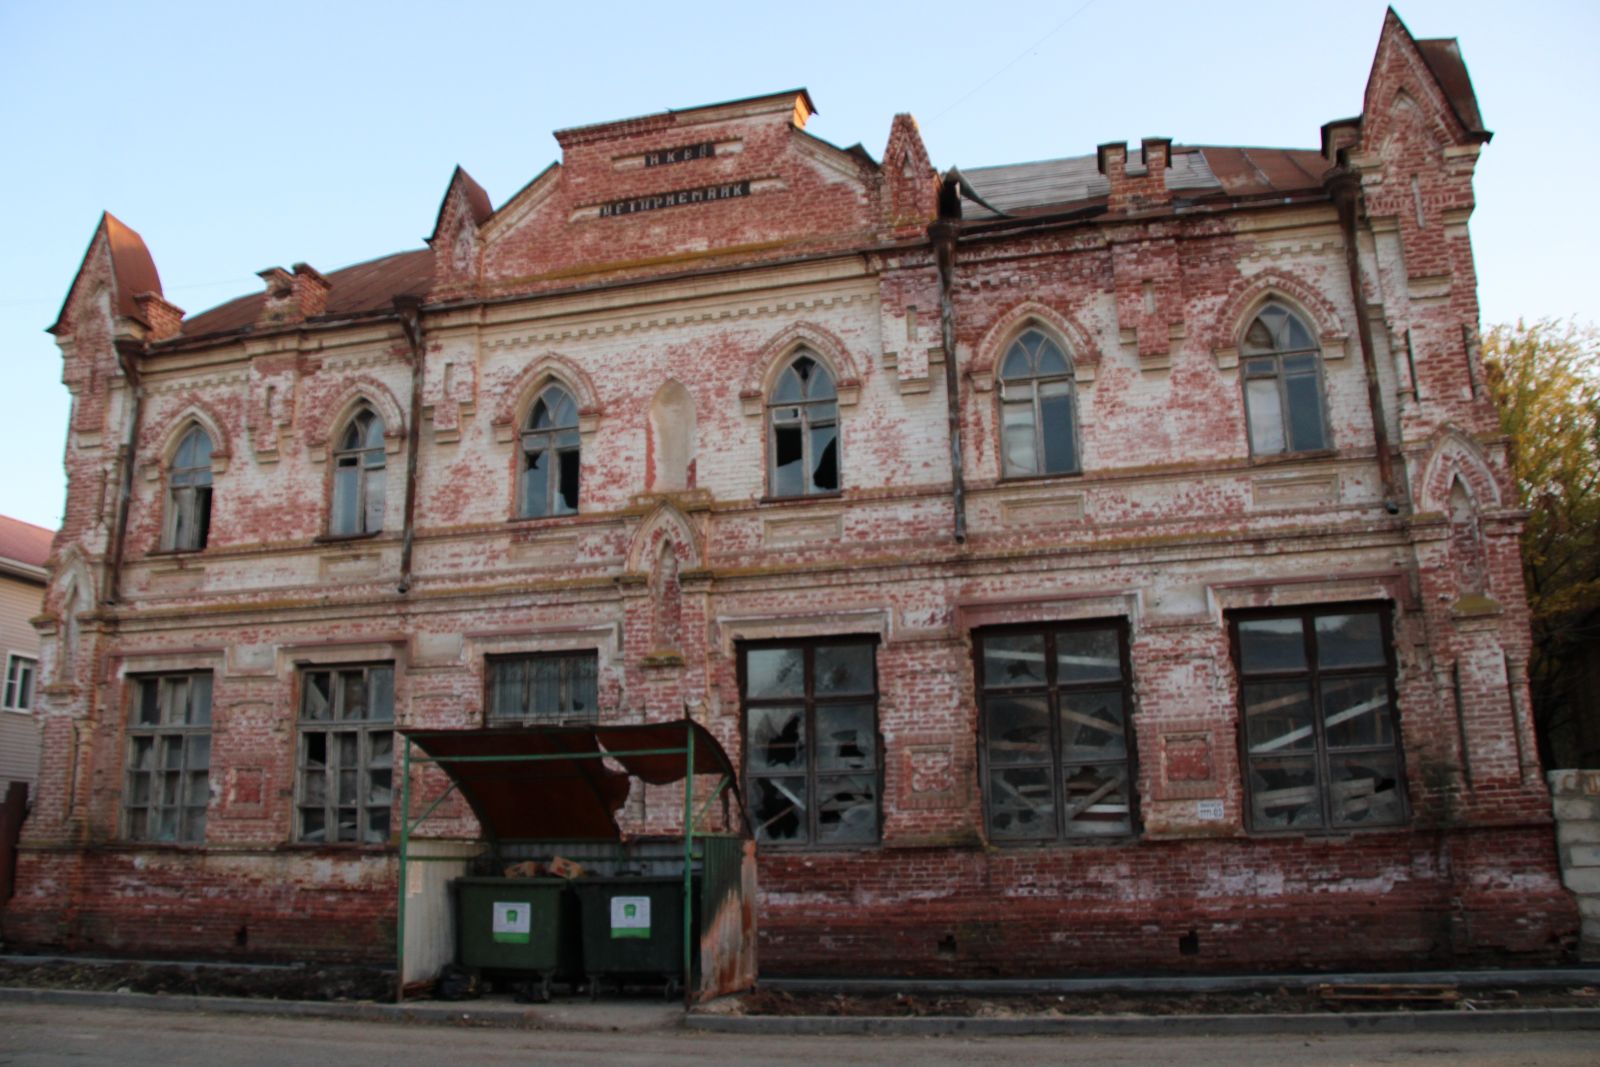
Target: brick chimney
[[164, 318], [1139, 186], [292, 297]]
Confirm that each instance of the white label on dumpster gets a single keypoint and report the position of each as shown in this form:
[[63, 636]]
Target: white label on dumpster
[[630, 917], [513, 922]]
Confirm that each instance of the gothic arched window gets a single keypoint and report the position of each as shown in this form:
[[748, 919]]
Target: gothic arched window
[[549, 480], [803, 430], [1038, 434], [1282, 384], [189, 494], [358, 476]]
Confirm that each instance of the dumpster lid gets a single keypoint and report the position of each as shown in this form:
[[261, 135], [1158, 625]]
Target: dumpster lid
[[556, 798]]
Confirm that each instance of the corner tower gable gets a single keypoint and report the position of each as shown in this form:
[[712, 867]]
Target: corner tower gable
[[1418, 81]]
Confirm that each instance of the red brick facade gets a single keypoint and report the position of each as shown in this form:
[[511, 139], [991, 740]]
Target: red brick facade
[[666, 286]]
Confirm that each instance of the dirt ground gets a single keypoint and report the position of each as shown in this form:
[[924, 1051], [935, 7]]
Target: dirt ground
[[1276, 1001], [207, 980]]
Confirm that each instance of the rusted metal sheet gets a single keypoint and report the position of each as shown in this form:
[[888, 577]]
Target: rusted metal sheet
[[727, 918]]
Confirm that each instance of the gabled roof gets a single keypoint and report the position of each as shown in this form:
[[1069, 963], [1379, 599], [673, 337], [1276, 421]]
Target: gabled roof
[[24, 543], [362, 289]]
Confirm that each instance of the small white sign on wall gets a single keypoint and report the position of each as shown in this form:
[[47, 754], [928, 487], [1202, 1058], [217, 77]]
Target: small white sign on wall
[[1208, 810]]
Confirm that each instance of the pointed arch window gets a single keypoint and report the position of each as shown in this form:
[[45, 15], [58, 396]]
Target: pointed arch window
[[1282, 384], [189, 494], [1038, 423], [803, 430], [550, 452], [358, 476]]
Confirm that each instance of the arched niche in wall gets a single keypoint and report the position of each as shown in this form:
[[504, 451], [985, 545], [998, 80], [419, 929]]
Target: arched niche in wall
[[671, 463]]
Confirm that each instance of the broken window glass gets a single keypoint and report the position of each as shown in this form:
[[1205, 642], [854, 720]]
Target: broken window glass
[[812, 758], [346, 773], [166, 787], [550, 456], [803, 434], [1055, 735], [1319, 721], [189, 493]]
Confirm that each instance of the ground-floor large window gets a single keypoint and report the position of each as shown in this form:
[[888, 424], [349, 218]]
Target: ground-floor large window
[[1056, 734], [1316, 694], [168, 785], [812, 759], [346, 764]]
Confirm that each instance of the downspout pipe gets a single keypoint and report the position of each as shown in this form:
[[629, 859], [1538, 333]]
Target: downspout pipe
[[943, 234], [128, 354], [1344, 184], [409, 309]]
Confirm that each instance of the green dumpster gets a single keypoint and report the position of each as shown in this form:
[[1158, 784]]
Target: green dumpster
[[632, 928], [518, 924]]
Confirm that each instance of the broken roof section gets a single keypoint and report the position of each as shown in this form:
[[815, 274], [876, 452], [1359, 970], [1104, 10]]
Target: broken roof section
[[553, 783]]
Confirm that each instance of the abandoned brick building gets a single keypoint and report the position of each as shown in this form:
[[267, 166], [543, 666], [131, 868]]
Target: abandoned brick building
[[1101, 563]]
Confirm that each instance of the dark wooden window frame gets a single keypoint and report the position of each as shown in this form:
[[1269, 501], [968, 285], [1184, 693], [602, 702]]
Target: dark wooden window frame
[[566, 656], [187, 524], [1313, 674], [1007, 392], [809, 416], [160, 737], [1052, 689], [365, 767], [810, 701], [1250, 364]]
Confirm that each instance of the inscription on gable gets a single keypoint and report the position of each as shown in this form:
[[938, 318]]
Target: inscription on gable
[[634, 204], [681, 154]]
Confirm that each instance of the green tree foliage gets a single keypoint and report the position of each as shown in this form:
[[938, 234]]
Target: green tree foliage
[[1545, 378]]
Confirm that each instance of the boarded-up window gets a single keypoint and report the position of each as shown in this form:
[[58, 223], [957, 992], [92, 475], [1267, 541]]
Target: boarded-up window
[[545, 687], [1319, 732], [1056, 742]]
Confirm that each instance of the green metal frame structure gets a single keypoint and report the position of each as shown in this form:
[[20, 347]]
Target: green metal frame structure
[[690, 818]]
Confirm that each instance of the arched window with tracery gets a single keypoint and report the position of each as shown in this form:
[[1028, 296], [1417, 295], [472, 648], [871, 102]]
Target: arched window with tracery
[[188, 519], [358, 476], [803, 430], [1282, 366], [1038, 423], [550, 467]]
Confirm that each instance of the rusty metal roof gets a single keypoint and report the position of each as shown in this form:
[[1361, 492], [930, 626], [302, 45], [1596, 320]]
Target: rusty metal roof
[[1443, 57], [359, 290], [1197, 172], [554, 797], [23, 542]]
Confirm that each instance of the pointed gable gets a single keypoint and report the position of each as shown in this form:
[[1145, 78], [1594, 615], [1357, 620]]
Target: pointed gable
[[910, 181], [1429, 75], [462, 212], [739, 181], [116, 256]]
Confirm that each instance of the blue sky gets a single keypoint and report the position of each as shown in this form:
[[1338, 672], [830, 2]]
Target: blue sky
[[237, 136]]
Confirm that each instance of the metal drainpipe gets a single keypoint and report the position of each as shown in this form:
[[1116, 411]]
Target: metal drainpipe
[[410, 311], [1345, 186], [943, 235], [127, 354]]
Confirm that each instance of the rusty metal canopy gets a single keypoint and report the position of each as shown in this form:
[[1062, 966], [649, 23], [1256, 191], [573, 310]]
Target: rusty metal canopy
[[568, 792]]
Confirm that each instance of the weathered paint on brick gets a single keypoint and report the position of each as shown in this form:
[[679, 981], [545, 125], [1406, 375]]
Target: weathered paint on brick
[[1171, 525]]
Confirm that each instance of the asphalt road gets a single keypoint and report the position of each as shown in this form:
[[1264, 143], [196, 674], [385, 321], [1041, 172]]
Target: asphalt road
[[48, 1035]]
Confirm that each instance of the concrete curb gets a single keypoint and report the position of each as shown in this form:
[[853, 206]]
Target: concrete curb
[[1155, 1025], [1224, 983], [548, 1017]]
